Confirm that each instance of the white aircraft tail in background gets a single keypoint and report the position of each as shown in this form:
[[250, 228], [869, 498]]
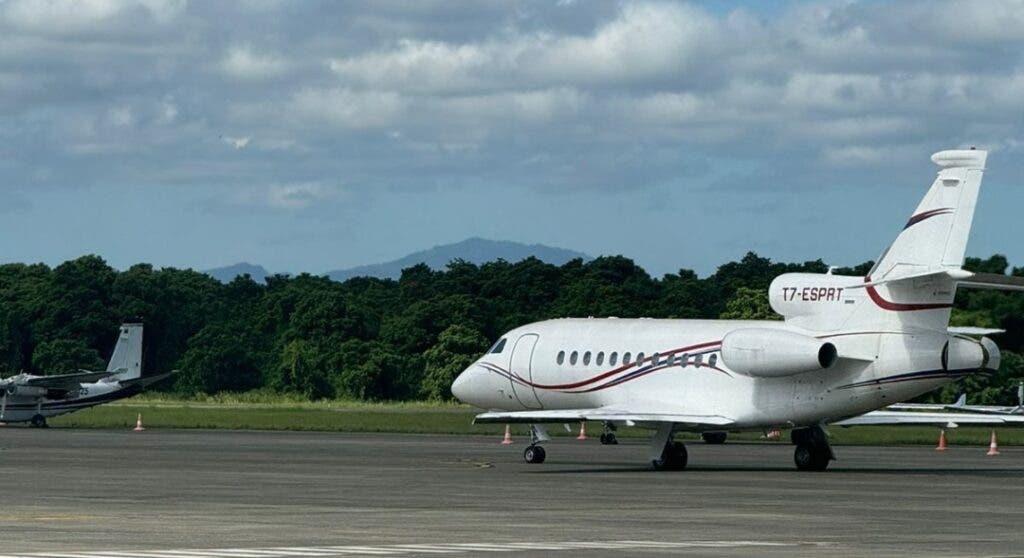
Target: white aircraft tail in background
[[847, 347], [126, 361]]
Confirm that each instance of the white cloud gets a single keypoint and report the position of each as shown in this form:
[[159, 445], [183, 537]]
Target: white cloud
[[294, 196], [241, 62], [348, 108], [120, 116], [237, 143]]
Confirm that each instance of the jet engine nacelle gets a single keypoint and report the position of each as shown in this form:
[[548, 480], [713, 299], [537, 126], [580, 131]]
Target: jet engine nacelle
[[26, 391], [772, 353], [967, 354]]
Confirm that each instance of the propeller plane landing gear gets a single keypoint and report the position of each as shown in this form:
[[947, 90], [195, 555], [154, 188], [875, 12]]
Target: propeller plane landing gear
[[38, 421], [813, 452]]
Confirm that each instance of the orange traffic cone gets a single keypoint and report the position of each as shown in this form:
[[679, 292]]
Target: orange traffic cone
[[583, 431], [138, 424], [942, 441], [508, 436], [993, 448]]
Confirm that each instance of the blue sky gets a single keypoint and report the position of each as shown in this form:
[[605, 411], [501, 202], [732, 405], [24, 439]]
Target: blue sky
[[308, 136]]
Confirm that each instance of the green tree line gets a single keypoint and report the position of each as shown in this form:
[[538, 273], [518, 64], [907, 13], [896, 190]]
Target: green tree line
[[379, 339]]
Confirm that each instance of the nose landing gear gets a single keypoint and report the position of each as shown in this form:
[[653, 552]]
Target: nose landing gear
[[534, 453]]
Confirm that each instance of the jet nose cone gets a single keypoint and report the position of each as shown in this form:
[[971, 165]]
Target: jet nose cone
[[462, 386]]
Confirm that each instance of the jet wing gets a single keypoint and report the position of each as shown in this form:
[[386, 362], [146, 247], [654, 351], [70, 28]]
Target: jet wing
[[911, 418], [64, 381], [602, 414]]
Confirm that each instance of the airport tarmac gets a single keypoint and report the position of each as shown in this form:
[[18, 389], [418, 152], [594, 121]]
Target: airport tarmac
[[216, 494]]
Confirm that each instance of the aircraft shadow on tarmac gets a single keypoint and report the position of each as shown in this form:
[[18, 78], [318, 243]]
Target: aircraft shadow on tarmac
[[835, 470]]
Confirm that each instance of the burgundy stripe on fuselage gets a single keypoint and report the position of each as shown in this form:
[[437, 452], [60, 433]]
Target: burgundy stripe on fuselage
[[897, 306]]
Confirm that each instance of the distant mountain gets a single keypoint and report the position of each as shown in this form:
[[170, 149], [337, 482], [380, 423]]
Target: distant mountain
[[473, 250], [229, 272]]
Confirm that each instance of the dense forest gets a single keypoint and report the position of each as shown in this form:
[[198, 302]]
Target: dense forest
[[383, 339]]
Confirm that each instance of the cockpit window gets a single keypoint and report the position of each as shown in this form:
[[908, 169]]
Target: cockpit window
[[498, 347]]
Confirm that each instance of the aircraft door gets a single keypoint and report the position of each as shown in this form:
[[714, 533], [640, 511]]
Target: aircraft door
[[522, 365]]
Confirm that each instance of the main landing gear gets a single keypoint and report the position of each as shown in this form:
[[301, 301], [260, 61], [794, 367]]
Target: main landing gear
[[534, 453], [667, 454], [608, 436], [38, 421], [714, 437], [813, 452]]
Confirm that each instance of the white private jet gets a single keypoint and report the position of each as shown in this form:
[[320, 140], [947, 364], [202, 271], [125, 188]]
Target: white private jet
[[847, 346], [30, 398]]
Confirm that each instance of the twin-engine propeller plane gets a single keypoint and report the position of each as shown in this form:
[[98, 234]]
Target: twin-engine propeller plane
[[847, 346], [30, 398]]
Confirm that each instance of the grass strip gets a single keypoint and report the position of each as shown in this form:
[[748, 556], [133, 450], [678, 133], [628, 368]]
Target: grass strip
[[426, 418]]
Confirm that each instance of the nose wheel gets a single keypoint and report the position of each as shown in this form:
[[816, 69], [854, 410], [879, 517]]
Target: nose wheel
[[534, 454]]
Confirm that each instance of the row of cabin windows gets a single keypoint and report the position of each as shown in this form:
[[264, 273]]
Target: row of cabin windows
[[627, 358]]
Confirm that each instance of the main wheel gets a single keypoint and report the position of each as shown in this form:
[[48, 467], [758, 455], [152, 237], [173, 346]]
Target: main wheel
[[714, 437], [811, 458], [534, 454], [609, 439], [38, 421], [673, 458]]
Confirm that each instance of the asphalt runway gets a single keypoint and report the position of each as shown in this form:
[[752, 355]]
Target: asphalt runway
[[214, 494]]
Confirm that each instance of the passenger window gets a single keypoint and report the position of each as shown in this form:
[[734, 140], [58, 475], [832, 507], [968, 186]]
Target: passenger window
[[682, 359], [655, 359], [498, 347], [698, 361], [627, 358], [613, 359], [586, 358], [640, 359], [600, 358], [561, 357], [712, 360], [573, 357]]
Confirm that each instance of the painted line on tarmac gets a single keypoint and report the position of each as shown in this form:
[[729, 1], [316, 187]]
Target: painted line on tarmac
[[413, 549]]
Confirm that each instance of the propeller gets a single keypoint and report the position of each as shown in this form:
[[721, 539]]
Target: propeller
[[3, 406], [1020, 395]]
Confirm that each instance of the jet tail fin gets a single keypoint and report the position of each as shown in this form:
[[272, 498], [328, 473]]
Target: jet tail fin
[[126, 362], [936, 234], [915, 279]]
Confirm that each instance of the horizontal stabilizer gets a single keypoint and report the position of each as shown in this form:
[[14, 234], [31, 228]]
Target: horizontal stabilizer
[[961, 277], [974, 331], [911, 418], [147, 380], [600, 414], [996, 281]]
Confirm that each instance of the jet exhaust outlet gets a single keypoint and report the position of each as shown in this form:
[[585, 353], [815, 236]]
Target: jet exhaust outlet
[[771, 353]]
